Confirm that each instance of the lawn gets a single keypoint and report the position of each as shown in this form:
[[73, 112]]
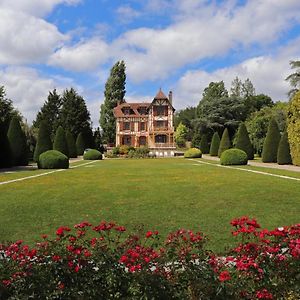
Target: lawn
[[163, 194]]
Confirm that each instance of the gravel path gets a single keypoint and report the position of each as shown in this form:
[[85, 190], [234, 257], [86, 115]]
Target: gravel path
[[261, 164]]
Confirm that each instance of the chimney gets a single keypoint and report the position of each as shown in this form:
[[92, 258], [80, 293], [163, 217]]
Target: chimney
[[171, 97]]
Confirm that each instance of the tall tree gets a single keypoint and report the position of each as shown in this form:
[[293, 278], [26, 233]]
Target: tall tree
[[186, 117], [98, 140], [43, 143], [294, 78], [50, 112], [5, 151], [75, 116], [114, 93], [17, 142], [247, 89], [236, 87], [196, 140]]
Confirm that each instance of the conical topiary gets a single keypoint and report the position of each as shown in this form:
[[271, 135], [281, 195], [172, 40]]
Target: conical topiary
[[204, 147], [271, 142], [215, 144], [60, 142], [71, 145], [43, 143], [284, 152], [243, 141], [224, 143], [5, 152], [196, 140], [80, 144], [17, 143]]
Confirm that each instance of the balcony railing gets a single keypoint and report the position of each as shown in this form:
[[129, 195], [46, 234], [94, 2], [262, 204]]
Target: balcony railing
[[161, 129], [164, 145]]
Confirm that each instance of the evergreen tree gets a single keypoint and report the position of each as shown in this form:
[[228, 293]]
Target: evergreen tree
[[43, 143], [196, 140], [114, 93], [98, 140], [283, 154], [74, 116], [50, 112], [17, 143], [270, 148], [5, 151], [224, 143], [243, 141], [215, 144], [71, 145], [204, 147], [80, 144], [60, 142]]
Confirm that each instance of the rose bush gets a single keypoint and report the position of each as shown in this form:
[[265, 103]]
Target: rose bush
[[106, 262]]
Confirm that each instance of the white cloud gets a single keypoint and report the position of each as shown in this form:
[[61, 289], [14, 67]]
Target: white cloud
[[26, 39], [126, 13], [83, 56], [267, 73]]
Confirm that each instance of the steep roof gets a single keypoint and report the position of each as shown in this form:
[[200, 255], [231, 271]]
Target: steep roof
[[160, 95], [118, 112]]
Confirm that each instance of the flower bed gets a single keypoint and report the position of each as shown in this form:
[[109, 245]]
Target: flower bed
[[106, 262]]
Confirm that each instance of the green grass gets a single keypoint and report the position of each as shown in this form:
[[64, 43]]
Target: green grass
[[163, 194]]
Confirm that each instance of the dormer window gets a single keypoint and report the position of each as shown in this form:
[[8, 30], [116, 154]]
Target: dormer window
[[126, 110], [142, 110]]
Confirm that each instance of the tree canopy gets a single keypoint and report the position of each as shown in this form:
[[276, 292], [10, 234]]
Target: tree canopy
[[294, 78]]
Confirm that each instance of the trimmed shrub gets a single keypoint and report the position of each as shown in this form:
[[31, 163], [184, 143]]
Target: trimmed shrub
[[124, 149], [196, 140], [243, 141], [224, 143], [234, 157], [284, 154], [53, 159], [116, 150], [215, 144], [92, 154], [294, 128], [60, 142], [271, 143], [80, 144], [43, 141], [17, 143], [193, 153], [204, 147], [71, 145], [5, 152]]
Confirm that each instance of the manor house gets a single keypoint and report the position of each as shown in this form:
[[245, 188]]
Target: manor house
[[147, 124]]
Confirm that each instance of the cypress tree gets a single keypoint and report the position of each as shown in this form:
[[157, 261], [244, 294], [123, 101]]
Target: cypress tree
[[60, 142], [43, 141], [204, 147], [196, 140], [224, 143], [215, 144], [284, 154], [5, 151], [80, 144], [243, 141], [270, 147], [17, 143], [71, 145]]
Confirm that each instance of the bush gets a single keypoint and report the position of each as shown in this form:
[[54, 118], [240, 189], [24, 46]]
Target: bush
[[71, 145], [193, 153], [60, 142], [53, 159], [80, 144], [92, 154], [43, 141], [124, 149], [104, 261], [204, 147], [270, 148], [215, 144], [224, 143], [234, 157], [17, 143], [283, 154], [294, 128], [141, 152], [116, 150], [196, 140], [243, 141]]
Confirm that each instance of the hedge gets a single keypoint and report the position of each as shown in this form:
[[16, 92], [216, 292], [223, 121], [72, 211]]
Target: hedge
[[92, 154], [193, 153], [234, 157], [53, 159]]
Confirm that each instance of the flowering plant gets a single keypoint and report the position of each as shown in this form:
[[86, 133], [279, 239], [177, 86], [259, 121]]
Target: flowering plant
[[105, 262]]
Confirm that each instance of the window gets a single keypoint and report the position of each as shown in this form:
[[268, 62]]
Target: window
[[127, 140], [126, 126], [160, 138], [142, 126], [161, 110], [160, 124], [142, 110], [142, 141]]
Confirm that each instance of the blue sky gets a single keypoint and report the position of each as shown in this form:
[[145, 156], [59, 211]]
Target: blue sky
[[179, 45]]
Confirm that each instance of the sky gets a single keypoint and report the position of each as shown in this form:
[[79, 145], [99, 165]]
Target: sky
[[178, 45]]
